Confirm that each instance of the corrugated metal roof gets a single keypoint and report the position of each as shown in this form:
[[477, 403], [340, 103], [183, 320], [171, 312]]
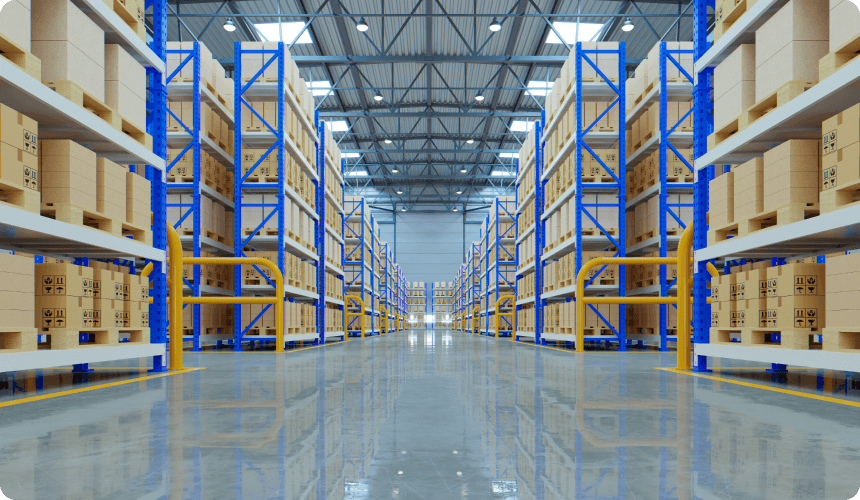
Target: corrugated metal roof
[[453, 85]]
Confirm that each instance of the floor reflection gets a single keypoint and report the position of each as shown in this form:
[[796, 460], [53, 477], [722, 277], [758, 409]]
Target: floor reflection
[[429, 414]]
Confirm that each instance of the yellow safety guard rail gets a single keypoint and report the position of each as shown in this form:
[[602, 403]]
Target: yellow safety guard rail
[[476, 317], [683, 300], [359, 315], [176, 300], [512, 314]]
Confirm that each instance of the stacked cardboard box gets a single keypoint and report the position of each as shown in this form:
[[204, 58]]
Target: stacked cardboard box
[[19, 159], [64, 298], [211, 124], [789, 45], [734, 85], [792, 174], [125, 85], [137, 200], [17, 307], [70, 45], [111, 189], [15, 23], [69, 174], [840, 149], [647, 74]]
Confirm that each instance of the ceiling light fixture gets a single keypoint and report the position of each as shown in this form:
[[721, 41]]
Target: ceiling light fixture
[[229, 26], [387, 141], [627, 26], [378, 96], [462, 170], [400, 192], [394, 170], [479, 97], [362, 25], [459, 192], [495, 26], [470, 141], [402, 209], [455, 211]]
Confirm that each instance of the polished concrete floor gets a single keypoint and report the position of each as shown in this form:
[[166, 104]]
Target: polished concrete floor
[[429, 415]]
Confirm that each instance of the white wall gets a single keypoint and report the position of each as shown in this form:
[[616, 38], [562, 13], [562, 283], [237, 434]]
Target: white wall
[[429, 246]]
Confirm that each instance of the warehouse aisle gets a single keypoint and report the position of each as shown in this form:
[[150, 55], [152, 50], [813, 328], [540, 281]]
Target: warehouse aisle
[[426, 415]]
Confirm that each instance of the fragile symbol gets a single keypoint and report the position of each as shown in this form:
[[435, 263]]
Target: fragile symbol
[[49, 280]]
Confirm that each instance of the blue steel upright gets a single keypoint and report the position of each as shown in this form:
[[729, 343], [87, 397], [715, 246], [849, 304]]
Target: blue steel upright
[[702, 127], [156, 126], [505, 271]]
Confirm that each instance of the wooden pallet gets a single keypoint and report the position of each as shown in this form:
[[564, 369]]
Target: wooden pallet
[[840, 197], [20, 197], [775, 99], [59, 338], [79, 216], [799, 339], [787, 214], [842, 339], [128, 16], [647, 235], [138, 134], [729, 16], [179, 178], [832, 62], [77, 95], [724, 133], [18, 340], [16, 54]]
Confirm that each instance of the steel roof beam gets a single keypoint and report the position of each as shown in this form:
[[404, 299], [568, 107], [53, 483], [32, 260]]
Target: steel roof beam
[[429, 114]]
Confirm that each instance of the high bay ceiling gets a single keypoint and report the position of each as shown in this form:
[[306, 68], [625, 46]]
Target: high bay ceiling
[[428, 143]]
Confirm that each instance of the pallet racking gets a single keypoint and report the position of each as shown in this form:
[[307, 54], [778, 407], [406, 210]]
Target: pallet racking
[[192, 141], [799, 118], [500, 263], [60, 118], [331, 180], [584, 139], [274, 138], [417, 304], [671, 139], [358, 260], [441, 303]]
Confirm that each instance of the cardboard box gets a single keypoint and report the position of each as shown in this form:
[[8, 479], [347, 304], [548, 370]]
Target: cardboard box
[[749, 188], [69, 44], [789, 45], [15, 23], [63, 280], [110, 188], [69, 174], [137, 314], [796, 311], [138, 200], [19, 161], [108, 284], [125, 85], [796, 279], [65, 311], [734, 85], [844, 23], [790, 172]]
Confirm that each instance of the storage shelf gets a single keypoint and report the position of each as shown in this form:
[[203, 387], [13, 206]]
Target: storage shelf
[[525, 168], [31, 233], [270, 243], [45, 358], [599, 140], [529, 197], [808, 358], [184, 92], [652, 244], [207, 245], [334, 201], [59, 118], [681, 140], [208, 291], [653, 290], [741, 32], [118, 32], [332, 269], [527, 300], [272, 187], [332, 300], [265, 139], [529, 230], [587, 187], [800, 118], [675, 92], [829, 233], [268, 91], [334, 233], [268, 290], [671, 187], [570, 291], [528, 269], [589, 243], [334, 167], [178, 140], [205, 190], [571, 337], [591, 92]]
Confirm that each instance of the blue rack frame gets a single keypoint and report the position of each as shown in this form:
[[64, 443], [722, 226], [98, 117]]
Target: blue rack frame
[[581, 141], [505, 271], [156, 126], [275, 139], [356, 210], [194, 146], [702, 127], [667, 140]]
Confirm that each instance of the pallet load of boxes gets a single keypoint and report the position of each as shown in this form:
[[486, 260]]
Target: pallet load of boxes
[[61, 299], [416, 303], [797, 300]]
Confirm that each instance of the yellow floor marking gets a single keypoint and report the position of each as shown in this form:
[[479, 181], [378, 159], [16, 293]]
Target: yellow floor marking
[[79, 390], [817, 397]]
